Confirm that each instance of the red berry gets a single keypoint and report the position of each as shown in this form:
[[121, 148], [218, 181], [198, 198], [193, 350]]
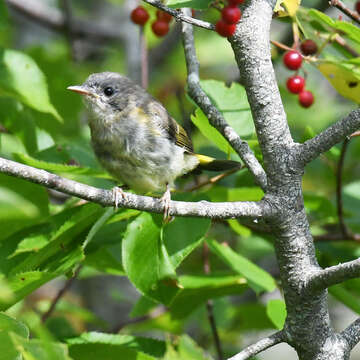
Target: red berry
[[231, 15], [163, 16], [295, 84], [160, 28], [292, 60], [308, 47], [224, 29], [139, 15], [235, 2], [306, 98], [357, 6]]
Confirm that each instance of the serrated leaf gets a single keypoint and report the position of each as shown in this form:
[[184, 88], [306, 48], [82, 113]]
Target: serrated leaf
[[276, 312], [20, 77], [61, 252], [258, 278], [94, 345], [146, 261], [23, 284]]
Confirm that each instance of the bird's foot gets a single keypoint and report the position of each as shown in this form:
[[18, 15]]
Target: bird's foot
[[117, 193], [166, 198]]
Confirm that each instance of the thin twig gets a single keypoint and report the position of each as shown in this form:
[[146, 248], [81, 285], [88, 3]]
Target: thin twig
[[180, 16], [339, 199], [213, 180], [60, 294], [260, 346], [215, 117], [334, 134], [144, 59], [210, 306], [342, 7]]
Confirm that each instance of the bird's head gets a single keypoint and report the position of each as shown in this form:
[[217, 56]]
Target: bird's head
[[106, 93]]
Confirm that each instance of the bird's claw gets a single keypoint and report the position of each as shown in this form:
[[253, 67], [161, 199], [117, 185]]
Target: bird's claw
[[117, 192], [166, 198]]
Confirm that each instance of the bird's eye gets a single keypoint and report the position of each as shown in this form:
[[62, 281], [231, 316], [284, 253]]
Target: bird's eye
[[108, 91]]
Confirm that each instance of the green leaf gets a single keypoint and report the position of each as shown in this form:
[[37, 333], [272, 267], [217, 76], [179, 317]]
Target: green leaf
[[258, 278], [182, 236], [197, 289], [321, 17], [232, 102], [202, 123], [24, 283], [36, 349], [19, 121], [146, 261], [21, 78], [8, 326], [186, 349], [194, 4], [94, 345], [250, 316], [60, 168], [62, 252], [276, 312]]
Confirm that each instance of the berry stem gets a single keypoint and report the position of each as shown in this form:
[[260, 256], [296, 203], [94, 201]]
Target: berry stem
[[144, 59], [296, 35], [280, 45]]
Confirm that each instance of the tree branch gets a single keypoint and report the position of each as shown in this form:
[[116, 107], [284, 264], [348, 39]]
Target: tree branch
[[260, 346], [333, 275], [217, 210], [54, 19], [342, 7], [215, 117], [180, 15], [335, 133], [352, 333]]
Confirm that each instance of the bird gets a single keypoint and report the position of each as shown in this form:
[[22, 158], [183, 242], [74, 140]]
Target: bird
[[136, 139]]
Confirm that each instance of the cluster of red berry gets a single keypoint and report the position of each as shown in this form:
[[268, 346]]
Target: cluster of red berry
[[296, 84], [160, 26], [230, 16]]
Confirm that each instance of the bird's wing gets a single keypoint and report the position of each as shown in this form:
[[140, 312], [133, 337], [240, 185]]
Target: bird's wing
[[169, 126]]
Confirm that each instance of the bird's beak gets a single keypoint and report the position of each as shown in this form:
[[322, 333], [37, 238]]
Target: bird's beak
[[81, 90]]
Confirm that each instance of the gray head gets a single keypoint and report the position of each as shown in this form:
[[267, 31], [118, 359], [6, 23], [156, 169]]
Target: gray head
[[108, 91]]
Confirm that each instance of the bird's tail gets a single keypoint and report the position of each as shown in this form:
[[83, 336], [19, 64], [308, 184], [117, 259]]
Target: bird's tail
[[209, 163]]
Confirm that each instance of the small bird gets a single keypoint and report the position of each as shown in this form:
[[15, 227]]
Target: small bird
[[136, 140]]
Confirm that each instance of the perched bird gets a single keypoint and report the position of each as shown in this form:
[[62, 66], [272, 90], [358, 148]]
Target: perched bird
[[135, 138]]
